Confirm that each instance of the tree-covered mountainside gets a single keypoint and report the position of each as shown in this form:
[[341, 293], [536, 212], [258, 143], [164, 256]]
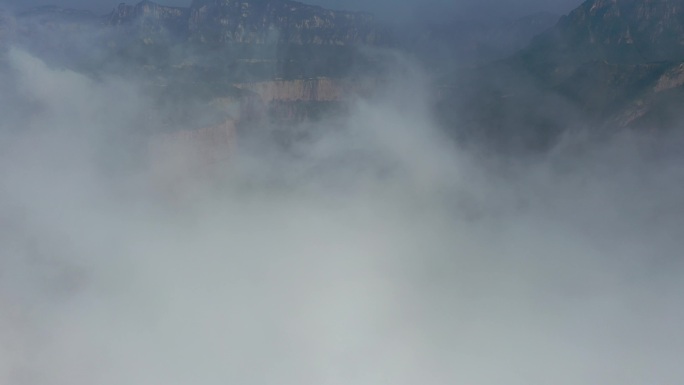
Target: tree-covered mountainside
[[608, 65]]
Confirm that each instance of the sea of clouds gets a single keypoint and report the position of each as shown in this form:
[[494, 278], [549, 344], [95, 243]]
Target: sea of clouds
[[377, 252]]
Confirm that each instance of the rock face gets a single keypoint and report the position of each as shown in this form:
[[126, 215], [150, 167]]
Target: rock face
[[306, 90], [614, 58], [658, 106], [151, 17], [273, 21], [673, 78], [251, 22], [241, 40], [617, 31], [608, 65], [630, 30], [280, 58], [297, 100]]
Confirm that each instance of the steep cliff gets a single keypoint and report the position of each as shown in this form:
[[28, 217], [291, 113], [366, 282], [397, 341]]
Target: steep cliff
[[306, 90], [672, 78], [615, 59], [273, 21], [297, 100], [615, 31], [250, 22], [608, 64], [151, 17], [659, 105]]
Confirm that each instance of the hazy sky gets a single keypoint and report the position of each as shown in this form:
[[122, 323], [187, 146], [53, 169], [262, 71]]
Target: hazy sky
[[400, 7]]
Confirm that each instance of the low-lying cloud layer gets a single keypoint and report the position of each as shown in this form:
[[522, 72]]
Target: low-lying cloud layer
[[375, 253]]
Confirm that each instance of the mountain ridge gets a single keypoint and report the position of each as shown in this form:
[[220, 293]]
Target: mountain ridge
[[607, 63], [607, 66], [253, 22]]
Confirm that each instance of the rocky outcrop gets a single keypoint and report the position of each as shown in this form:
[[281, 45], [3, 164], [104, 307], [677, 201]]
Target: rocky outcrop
[[151, 17], [618, 60], [251, 22], [276, 21], [618, 31], [609, 63], [298, 100], [659, 106], [672, 78], [306, 90]]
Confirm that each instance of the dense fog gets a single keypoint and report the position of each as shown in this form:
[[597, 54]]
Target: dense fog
[[373, 251]]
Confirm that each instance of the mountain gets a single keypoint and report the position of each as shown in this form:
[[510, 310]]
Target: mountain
[[625, 32], [609, 56], [462, 42], [620, 31], [238, 40], [250, 62], [607, 66]]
